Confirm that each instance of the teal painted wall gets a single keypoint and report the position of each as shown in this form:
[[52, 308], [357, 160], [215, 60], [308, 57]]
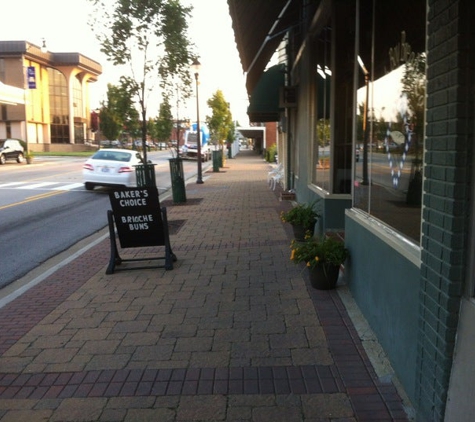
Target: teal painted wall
[[385, 285], [331, 208], [334, 216]]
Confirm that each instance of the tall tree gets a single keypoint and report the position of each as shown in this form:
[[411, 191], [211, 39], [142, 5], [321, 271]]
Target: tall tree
[[221, 121], [150, 36]]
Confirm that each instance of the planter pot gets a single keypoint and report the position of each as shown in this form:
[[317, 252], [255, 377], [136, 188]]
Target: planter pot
[[324, 277], [29, 160], [299, 232]]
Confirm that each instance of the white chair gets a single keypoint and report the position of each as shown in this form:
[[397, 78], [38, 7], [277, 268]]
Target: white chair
[[277, 178], [275, 171]]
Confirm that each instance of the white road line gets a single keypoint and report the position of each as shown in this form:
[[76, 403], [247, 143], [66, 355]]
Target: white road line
[[38, 185], [12, 296], [69, 187], [7, 185], [18, 292]]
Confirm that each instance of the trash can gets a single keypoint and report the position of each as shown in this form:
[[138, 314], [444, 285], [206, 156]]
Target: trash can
[[145, 174], [178, 180], [216, 161]]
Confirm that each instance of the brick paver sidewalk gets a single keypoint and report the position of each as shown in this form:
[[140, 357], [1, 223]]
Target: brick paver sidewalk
[[232, 333]]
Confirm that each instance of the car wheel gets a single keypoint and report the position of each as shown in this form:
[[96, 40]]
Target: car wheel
[[2, 159], [20, 158], [89, 186]]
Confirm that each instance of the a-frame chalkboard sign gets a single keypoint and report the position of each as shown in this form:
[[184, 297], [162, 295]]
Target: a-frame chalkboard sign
[[140, 222]]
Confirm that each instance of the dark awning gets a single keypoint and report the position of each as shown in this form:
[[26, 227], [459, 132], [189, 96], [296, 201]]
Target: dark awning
[[264, 101], [259, 26]]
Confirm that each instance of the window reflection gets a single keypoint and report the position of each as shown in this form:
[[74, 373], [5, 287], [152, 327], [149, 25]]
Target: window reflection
[[390, 125], [322, 84], [58, 98]]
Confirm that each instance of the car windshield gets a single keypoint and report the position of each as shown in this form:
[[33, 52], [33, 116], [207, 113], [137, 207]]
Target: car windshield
[[112, 155], [2, 143]]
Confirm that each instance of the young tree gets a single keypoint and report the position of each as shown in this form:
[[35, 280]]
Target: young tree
[[231, 136], [111, 126], [119, 113], [221, 121], [164, 122], [150, 36]]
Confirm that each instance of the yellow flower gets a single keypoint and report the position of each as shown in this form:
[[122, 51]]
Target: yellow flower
[[292, 255], [317, 258], [308, 264]]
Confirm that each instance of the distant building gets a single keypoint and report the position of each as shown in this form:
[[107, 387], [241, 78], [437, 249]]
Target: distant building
[[54, 111]]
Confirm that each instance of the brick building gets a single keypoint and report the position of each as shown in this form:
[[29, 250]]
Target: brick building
[[385, 90]]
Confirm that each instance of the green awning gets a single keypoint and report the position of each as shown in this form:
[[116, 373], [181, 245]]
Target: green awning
[[264, 101]]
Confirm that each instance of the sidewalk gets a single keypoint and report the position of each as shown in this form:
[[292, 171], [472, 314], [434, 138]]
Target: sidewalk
[[233, 333]]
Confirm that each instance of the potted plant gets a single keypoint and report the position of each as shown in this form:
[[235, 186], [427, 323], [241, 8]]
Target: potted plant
[[302, 217], [323, 257], [29, 157]]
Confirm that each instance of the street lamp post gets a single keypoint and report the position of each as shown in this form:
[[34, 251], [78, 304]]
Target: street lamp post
[[196, 69]]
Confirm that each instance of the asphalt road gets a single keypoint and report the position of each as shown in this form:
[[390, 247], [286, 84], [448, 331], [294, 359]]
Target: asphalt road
[[44, 209]]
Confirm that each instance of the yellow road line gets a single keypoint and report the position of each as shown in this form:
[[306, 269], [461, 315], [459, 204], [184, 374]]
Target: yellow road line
[[33, 198]]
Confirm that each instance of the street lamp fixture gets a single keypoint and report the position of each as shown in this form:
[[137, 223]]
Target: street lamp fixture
[[195, 67]]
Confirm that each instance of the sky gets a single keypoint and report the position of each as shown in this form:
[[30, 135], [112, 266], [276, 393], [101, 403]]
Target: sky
[[64, 27]]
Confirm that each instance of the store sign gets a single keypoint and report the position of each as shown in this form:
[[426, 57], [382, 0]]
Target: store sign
[[137, 217]]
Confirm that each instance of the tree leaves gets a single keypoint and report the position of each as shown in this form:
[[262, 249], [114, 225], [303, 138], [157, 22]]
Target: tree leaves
[[151, 37]]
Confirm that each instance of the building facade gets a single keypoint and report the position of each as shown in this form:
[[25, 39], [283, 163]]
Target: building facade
[[55, 111], [383, 93]]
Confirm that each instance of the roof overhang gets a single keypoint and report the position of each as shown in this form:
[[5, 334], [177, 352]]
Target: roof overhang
[[11, 95], [50, 59], [259, 26], [252, 132]]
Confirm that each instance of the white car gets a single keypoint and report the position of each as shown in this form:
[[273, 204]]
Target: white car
[[111, 167]]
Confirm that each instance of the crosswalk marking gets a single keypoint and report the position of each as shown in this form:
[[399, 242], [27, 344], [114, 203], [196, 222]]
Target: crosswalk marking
[[54, 186], [69, 187], [38, 185], [7, 185]]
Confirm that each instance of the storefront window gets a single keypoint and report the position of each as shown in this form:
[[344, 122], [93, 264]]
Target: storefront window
[[58, 96], [77, 98], [322, 130], [390, 114]]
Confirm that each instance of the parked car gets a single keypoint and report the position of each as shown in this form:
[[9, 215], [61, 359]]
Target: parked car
[[11, 149], [111, 167], [110, 144]]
